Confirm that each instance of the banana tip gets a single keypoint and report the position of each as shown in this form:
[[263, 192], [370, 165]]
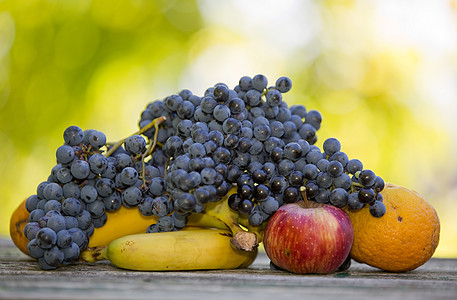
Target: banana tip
[[92, 255]]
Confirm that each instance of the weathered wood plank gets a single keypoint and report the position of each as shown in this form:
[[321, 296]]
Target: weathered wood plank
[[21, 278]]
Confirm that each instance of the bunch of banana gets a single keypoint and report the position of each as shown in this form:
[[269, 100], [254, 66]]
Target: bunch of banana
[[215, 215], [213, 239], [188, 249]]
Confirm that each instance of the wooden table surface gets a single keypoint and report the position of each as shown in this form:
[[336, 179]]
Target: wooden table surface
[[21, 278]]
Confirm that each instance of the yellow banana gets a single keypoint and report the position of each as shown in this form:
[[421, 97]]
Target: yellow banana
[[124, 221], [127, 221], [172, 251]]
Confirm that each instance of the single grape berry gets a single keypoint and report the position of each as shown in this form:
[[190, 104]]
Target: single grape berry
[[256, 217], [367, 178], [310, 171], [291, 194], [259, 176], [354, 202], [296, 178], [331, 146], [322, 196], [354, 165], [234, 201], [273, 97], [46, 238], [270, 205], [31, 229], [98, 163], [97, 139], [245, 207], [335, 168], [379, 184], [135, 144], [278, 184], [245, 192], [165, 224], [293, 151], [312, 189], [378, 209], [366, 196], [259, 82], [34, 250], [338, 197], [283, 84], [220, 93], [73, 136], [65, 154]]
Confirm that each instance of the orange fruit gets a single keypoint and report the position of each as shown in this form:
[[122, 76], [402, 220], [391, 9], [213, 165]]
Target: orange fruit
[[401, 240], [19, 219]]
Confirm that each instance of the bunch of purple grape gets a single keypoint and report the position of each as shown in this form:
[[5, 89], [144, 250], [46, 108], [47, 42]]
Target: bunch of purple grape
[[82, 187], [249, 138]]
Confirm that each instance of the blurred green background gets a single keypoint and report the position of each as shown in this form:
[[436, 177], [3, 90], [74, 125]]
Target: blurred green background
[[382, 73]]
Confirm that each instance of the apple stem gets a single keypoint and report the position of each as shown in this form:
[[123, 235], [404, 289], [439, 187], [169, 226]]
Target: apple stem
[[303, 194]]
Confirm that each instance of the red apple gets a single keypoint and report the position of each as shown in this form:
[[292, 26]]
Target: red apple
[[314, 239]]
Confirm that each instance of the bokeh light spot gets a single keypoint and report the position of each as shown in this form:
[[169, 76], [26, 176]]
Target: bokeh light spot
[[75, 43]]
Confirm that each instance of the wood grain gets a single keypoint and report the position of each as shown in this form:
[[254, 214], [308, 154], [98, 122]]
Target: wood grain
[[21, 278]]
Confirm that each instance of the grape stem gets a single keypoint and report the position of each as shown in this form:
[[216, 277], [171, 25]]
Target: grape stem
[[155, 123], [264, 92], [150, 149], [167, 163], [355, 184]]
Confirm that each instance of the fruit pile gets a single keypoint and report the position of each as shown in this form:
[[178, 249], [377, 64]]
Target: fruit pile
[[228, 159]]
